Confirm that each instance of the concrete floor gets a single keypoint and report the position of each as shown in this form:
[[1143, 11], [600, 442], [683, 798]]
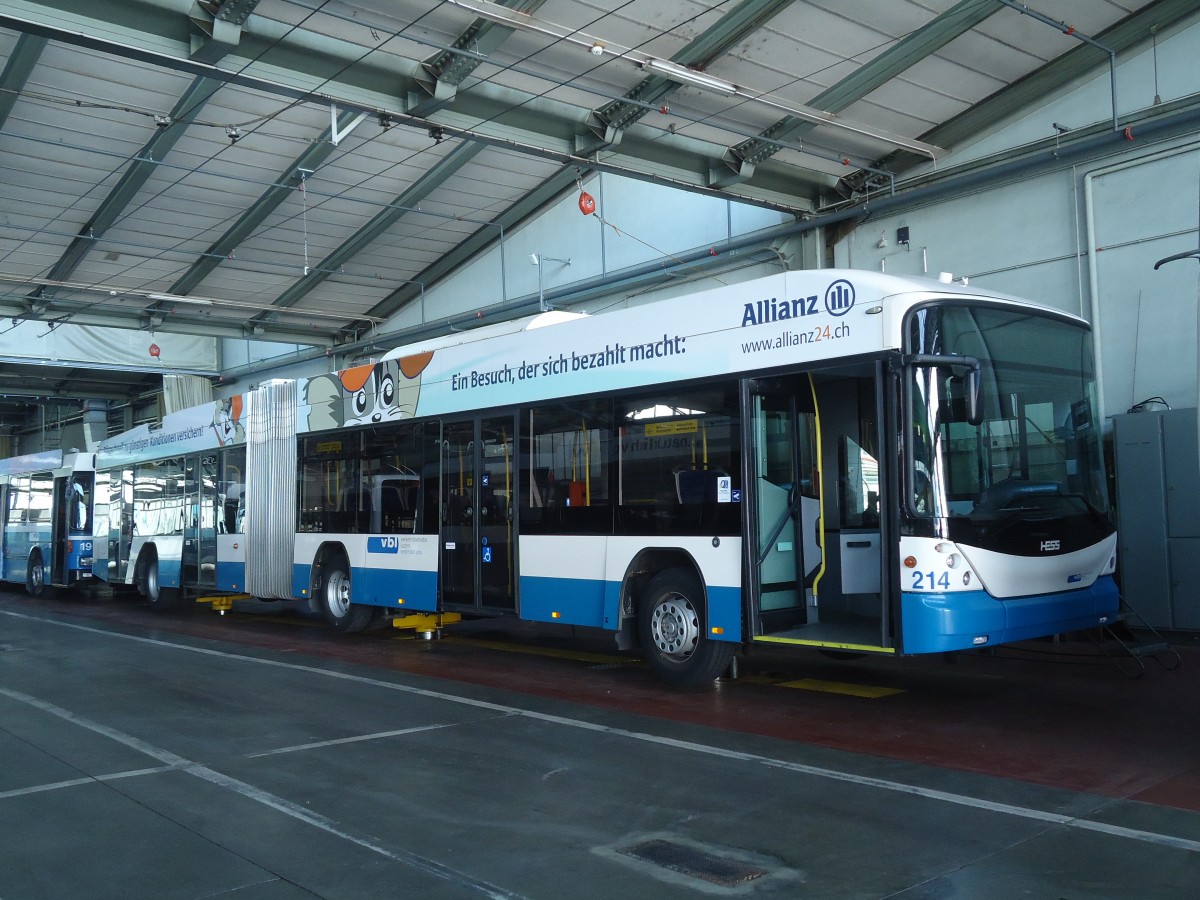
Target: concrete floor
[[186, 756]]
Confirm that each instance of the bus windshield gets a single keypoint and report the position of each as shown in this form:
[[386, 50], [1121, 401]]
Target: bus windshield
[[1037, 449]]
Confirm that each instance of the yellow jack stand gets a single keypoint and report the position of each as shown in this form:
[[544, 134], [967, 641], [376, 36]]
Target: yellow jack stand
[[224, 602], [426, 625]]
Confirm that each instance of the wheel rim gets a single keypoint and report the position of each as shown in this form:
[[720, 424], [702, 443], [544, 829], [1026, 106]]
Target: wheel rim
[[675, 626], [337, 593], [37, 576]]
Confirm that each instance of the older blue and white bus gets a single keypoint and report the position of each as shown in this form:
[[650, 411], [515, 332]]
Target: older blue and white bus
[[46, 520], [837, 459]]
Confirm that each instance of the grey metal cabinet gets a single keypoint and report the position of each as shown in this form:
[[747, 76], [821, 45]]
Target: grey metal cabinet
[[1158, 515]]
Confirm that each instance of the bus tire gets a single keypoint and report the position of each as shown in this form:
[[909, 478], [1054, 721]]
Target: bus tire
[[339, 612], [149, 585], [35, 576], [671, 624]]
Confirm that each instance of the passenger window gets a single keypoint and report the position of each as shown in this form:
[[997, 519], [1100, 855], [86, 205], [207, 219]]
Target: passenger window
[[680, 462], [566, 454]]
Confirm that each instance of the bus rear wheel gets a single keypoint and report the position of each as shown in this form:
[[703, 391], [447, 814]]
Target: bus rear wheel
[[35, 576], [339, 612], [671, 624]]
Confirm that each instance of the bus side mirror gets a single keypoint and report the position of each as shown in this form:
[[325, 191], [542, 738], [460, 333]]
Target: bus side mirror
[[956, 364], [974, 407]]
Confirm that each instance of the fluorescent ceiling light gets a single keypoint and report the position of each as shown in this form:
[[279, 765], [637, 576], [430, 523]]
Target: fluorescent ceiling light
[[684, 75], [173, 298], [820, 117], [523, 21], [494, 12]]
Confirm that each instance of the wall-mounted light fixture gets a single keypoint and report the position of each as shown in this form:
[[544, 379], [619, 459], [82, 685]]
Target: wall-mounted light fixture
[[537, 260]]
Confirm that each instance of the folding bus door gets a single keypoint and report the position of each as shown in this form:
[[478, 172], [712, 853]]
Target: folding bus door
[[478, 569], [786, 553]]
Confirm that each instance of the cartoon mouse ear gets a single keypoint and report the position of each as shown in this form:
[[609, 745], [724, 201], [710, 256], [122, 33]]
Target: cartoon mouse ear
[[414, 365], [353, 379]]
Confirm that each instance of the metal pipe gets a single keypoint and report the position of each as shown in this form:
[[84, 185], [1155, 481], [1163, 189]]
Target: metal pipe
[[1069, 31]]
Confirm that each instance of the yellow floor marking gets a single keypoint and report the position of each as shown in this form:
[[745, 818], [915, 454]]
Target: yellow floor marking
[[828, 645], [841, 687]]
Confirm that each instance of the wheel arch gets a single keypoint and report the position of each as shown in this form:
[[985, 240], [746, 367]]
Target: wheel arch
[[147, 553], [327, 552], [638, 574]]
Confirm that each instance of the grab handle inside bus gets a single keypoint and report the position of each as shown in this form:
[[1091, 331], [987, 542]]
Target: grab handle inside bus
[[956, 364]]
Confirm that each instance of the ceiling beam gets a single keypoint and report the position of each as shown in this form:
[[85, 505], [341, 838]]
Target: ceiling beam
[[405, 203], [741, 159], [297, 65], [217, 33], [607, 122], [21, 61], [200, 321], [71, 391], [449, 68], [258, 211], [1072, 65], [131, 182], [533, 201], [223, 30]]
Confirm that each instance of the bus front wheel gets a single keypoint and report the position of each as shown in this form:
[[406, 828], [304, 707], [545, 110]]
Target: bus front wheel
[[671, 623], [35, 576], [335, 600]]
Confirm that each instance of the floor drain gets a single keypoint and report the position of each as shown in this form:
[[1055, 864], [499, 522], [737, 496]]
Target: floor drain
[[694, 863]]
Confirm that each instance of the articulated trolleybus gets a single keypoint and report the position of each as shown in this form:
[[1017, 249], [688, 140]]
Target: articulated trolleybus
[[45, 520], [839, 459]]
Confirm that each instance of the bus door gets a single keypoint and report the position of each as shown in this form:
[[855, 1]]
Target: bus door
[[59, 532], [478, 471], [786, 544], [818, 504], [200, 520], [72, 536], [852, 595]]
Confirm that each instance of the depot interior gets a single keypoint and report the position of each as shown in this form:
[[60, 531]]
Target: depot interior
[[194, 203]]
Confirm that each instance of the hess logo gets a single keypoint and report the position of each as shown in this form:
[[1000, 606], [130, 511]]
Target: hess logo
[[1050, 546]]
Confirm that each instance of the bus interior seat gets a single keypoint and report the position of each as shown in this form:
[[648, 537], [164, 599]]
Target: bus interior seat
[[697, 485]]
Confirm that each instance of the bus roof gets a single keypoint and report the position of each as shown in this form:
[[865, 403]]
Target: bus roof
[[45, 461], [799, 319]]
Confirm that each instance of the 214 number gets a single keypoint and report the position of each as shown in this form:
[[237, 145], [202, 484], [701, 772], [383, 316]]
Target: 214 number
[[930, 581]]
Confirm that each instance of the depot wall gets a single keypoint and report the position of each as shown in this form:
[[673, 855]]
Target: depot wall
[[1085, 238]]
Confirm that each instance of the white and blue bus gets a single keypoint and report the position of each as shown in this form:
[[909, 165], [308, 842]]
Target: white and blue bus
[[46, 520], [839, 459]]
